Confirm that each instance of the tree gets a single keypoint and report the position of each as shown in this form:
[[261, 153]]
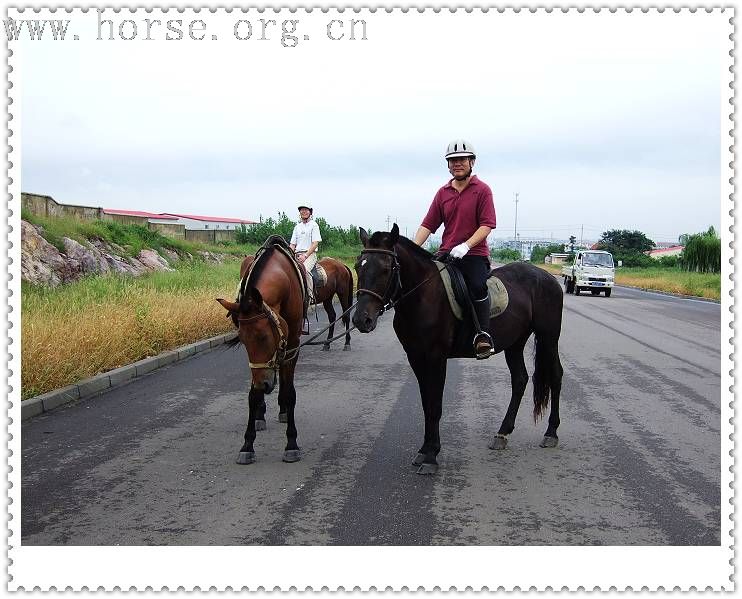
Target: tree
[[623, 241], [702, 252]]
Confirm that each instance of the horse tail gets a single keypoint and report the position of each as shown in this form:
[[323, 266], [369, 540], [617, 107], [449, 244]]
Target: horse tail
[[350, 287], [547, 375]]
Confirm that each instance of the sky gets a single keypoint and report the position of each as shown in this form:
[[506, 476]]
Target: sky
[[597, 121]]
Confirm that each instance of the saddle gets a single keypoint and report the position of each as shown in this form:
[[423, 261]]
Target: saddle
[[458, 293], [278, 243], [458, 296]]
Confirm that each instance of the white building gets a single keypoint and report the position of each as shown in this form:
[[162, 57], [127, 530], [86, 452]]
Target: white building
[[193, 222]]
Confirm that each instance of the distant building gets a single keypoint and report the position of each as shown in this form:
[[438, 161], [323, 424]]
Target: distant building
[[163, 219], [556, 258], [193, 222], [658, 253]]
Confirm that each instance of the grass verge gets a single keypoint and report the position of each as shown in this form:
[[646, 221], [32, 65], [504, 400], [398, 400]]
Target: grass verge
[[668, 280], [73, 332]]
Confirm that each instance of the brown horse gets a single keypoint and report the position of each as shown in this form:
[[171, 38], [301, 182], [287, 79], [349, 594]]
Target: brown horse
[[269, 313], [339, 282]]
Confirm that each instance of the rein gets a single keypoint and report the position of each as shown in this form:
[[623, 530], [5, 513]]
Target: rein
[[281, 354]]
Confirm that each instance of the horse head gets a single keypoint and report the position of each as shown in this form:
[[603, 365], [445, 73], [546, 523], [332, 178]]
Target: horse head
[[378, 277], [263, 333]]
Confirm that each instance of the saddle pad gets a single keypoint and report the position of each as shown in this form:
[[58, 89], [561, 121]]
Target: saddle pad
[[497, 292], [319, 275]]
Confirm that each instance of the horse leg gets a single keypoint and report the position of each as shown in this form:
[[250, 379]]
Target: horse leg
[[247, 453], [346, 300], [288, 394], [431, 378], [331, 317], [518, 382], [554, 382], [260, 416]]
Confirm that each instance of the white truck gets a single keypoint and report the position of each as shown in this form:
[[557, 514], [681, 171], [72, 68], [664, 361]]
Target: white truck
[[591, 270]]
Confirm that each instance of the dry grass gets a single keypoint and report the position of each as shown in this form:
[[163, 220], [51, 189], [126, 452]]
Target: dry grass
[[73, 333]]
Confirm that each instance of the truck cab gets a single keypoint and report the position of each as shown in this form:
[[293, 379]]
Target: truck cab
[[592, 270]]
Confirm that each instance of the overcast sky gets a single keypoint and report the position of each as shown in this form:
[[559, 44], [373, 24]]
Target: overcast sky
[[598, 121]]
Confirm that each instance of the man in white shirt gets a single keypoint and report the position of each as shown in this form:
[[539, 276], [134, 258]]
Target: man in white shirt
[[304, 241]]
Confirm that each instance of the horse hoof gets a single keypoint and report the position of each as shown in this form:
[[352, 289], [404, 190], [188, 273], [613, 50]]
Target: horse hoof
[[260, 425], [325, 348], [549, 442], [291, 455], [419, 459], [283, 418], [427, 468], [346, 348], [499, 442], [246, 457]]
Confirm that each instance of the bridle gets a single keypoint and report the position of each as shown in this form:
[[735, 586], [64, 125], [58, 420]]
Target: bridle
[[393, 292], [280, 354], [393, 286]]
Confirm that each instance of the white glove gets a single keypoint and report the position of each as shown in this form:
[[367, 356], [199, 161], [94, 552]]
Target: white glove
[[459, 251]]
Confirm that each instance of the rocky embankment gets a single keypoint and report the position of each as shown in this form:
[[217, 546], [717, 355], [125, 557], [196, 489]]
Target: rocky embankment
[[43, 264]]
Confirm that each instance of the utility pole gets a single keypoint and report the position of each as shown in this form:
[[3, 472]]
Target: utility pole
[[582, 227], [515, 234], [388, 219]]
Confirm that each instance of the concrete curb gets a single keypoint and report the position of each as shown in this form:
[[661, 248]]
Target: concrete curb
[[113, 378]]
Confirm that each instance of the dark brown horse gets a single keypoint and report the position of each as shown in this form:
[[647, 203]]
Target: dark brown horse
[[339, 282], [394, 268], [269, 312]]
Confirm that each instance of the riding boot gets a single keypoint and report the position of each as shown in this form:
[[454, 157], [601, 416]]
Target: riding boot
[[483, 346]]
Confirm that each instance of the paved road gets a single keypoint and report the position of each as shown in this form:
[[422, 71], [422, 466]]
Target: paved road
[[153, 462]]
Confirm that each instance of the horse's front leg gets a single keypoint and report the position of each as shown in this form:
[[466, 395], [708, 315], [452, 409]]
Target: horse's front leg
[[331, 316], [247, 453], [431, 378], [287, 399]]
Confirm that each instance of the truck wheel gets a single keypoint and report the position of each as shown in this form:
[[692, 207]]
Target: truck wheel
[[577, 289], [595, 291], [608, 293]]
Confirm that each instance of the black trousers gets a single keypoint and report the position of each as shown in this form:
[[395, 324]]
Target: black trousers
[[475, 269]]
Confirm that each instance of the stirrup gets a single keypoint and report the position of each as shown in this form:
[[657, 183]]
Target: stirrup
[[487, 353]]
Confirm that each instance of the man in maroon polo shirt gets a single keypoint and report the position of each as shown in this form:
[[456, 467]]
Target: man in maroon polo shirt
[[465, 208]]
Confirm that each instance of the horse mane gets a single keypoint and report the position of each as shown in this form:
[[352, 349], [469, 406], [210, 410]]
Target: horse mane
[[261, 259], [415, 249]]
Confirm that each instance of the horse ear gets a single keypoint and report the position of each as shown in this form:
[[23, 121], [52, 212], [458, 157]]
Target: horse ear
[[228, 306], [364, 236], [394, 235], [255, 296]]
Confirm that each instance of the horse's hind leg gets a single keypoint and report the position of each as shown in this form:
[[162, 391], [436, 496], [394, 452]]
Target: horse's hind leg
[[247, 453], [518, 382], [287, 396], [555, 385], [331, 317]]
